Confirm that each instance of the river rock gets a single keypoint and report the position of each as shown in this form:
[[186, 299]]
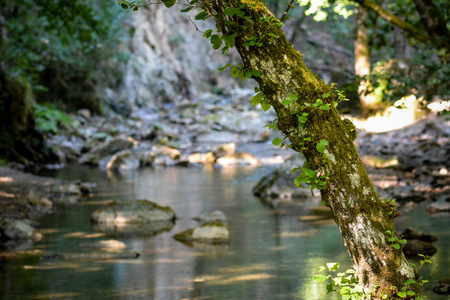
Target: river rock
[[36, 199], [122, 161], [211, 233], [414, 234], [279, 183], [224, 150], [213, 216], [237, 159], [132, 212], [108, 148], [16, 230], [438, 207], [416, 247], [443, 287]]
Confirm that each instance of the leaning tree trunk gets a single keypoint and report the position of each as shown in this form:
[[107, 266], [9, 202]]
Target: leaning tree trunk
[[361, 216]]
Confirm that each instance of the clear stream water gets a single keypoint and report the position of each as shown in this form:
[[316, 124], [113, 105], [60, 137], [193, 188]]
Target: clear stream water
[[273, 254]]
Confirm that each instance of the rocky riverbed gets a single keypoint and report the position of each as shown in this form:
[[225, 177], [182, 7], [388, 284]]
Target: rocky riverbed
[[410, 164]]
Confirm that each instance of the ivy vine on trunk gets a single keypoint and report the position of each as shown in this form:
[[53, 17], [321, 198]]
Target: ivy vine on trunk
[[307, 116]]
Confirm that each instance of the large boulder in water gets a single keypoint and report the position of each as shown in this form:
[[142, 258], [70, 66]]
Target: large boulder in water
[[132, 212], [280, 182]]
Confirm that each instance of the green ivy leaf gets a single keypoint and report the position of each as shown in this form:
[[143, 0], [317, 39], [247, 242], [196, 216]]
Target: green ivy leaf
[[230, 11], [276, 141], [202, 15], [207, 33], [188, 9], [396, 246], [401, 294], [169, 3], [286, 102], [265, 105], [293, 97], [256, 73], [320, 278], [321, 145], [257, 98], [325, 107], [216, 41]]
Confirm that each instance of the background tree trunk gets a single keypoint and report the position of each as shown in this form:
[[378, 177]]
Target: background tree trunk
[[361, 216], [369, 101]]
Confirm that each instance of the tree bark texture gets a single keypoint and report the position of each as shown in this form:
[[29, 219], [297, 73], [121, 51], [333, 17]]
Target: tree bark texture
[[359, 213], [369, 101]]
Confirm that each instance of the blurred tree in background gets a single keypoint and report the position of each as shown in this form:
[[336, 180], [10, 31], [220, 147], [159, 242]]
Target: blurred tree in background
[[400, 47], [55, 52]]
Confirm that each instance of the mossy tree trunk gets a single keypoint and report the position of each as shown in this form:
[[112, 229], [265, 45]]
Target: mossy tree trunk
[[361, 216]]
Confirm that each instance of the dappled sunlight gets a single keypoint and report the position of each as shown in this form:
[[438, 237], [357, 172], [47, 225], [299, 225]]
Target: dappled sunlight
[[6, 195], [310, 232], [6, 179], [246, 269], [438, 106], [55, 296], [82, 235], [402, 113], [225, 280], [380, 161], [53, 266]]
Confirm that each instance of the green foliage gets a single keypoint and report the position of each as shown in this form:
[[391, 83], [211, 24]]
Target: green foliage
[[49, 119], [395, 240], [63, 48], [345, 283]]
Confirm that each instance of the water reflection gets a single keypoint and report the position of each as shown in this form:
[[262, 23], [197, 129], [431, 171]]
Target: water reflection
[[273, 254]]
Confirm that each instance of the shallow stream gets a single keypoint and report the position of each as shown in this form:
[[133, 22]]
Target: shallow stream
[[273, 254]]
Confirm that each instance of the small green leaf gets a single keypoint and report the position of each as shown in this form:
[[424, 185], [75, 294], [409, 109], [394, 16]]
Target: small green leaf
[[256, 73], [293, 97], [325, 107], [187, 9], [276, 141], [330, 266], [410, 293], [396, 246], [320, 278], [169, 3], [230, 11], [257, 98], [265, 105], [401, 294], [216, 41], [410, 281], [207, 33], [202, 15], [321, 145], [286, 102], [273, 35]]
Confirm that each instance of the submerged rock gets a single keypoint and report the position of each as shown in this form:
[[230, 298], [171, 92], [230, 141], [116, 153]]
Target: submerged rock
[[211, 233], [416, 247], [132, 212], [438, 207], [443, 287], [93, 256], [213, 216], [414, 234]]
